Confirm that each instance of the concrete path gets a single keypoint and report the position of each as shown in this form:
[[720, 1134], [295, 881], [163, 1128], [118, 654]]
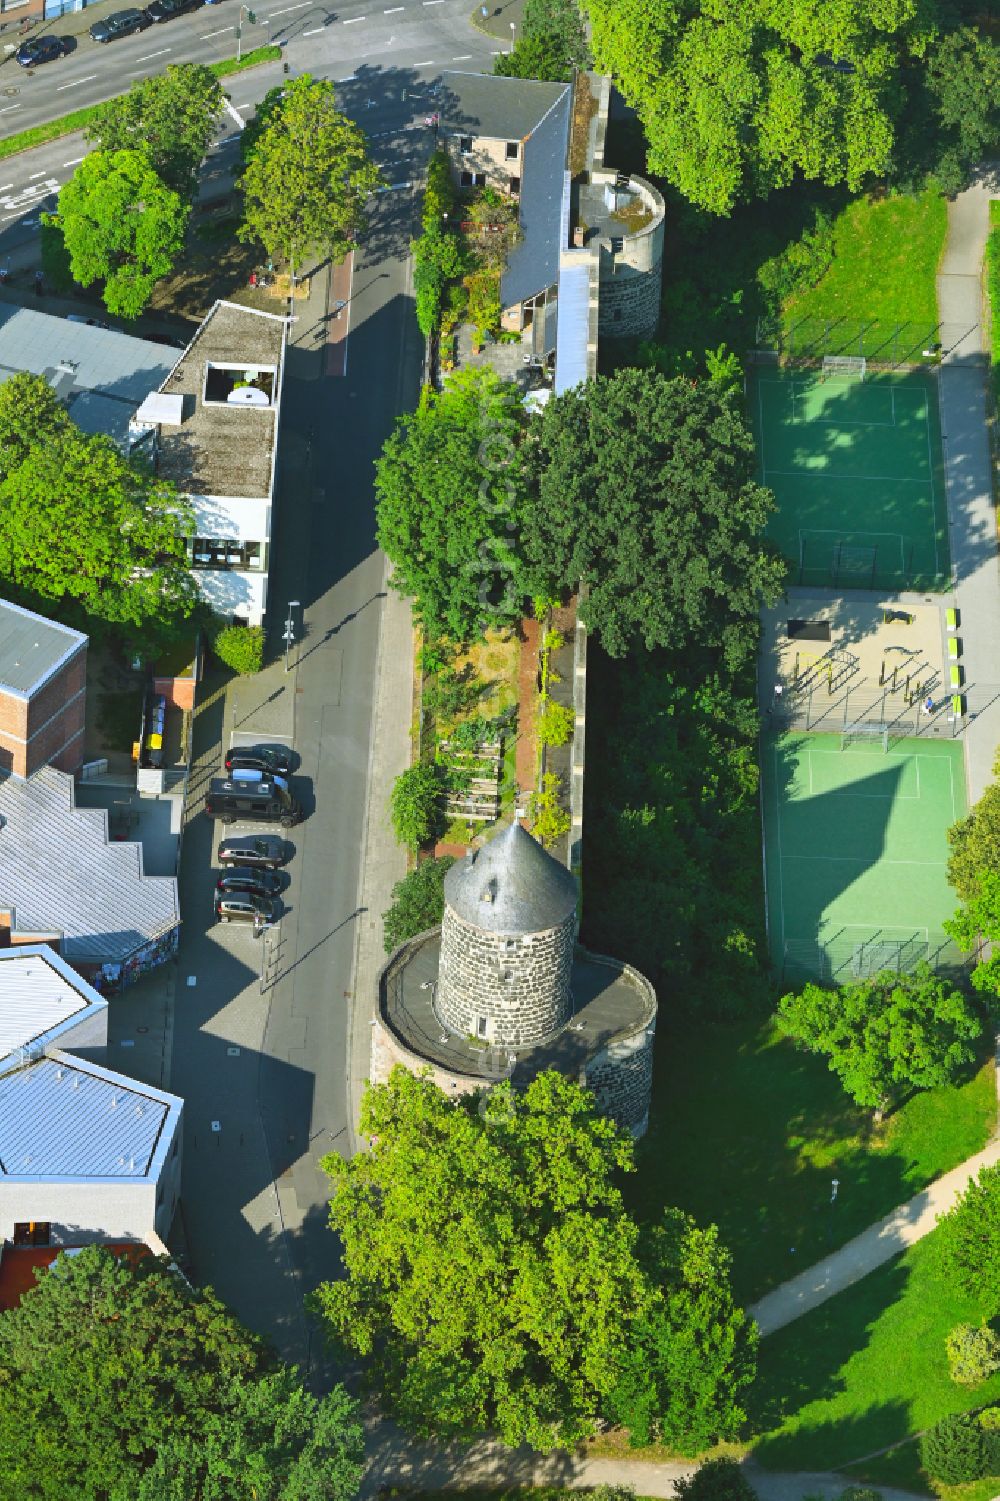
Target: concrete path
[[968, 474], [396, 1461], [872, 1248]]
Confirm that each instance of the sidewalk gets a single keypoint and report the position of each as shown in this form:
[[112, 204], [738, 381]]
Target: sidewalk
[[969, 474], [872, 1248]]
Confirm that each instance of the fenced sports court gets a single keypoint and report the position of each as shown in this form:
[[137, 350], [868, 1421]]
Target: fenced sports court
[[854, 460], [855, 853]]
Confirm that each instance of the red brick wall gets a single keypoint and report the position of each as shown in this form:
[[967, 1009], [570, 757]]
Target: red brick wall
[[49, 726], [178, 692]]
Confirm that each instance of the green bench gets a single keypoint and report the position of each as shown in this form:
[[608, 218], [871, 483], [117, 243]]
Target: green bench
[[954, 648], [956, 677], [951, 616], [957, 705]]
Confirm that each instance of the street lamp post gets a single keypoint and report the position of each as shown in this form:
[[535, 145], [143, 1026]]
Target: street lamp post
[[293, 604], [252, 19], [512, 36]]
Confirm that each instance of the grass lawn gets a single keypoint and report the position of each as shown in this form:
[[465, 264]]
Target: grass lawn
[[864, 1370], [993, 291], [885, 262], [747, 1131]]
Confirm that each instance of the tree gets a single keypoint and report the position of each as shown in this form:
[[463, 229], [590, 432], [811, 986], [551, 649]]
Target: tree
[[31, 416], [644, 490], [954, 1450], [914, 1030], [121, 224], [970, 1240], [560, 21], [171, 117], [450, 489], [973, 1352], [133, 1384], [539, 57], [810, 90], [715, 1480], [979, 920], [240, 647], [963, 82], [416, 805], [308, 175], [438, 256], [417, 901], [975, 843], [80, 521]]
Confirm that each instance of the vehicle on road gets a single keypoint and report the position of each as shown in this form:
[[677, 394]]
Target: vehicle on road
[[39, 49], [263, 851], [165, 10], [276, 760], [119, 23], [262, 800], [245, 906], [245, 878]]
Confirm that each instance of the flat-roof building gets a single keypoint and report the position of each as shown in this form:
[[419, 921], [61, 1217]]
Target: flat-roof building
[[43, 677]]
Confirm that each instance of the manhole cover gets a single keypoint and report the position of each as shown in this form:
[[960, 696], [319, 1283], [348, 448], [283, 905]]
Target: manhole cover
[[9, 93]]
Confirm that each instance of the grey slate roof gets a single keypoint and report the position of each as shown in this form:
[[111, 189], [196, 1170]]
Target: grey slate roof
[[63, 1119], [505, 109], [58, 872], [32, 648], [103, 375], [511, 886]]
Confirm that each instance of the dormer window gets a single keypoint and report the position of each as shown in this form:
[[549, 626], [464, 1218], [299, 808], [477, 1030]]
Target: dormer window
[[513, 150]]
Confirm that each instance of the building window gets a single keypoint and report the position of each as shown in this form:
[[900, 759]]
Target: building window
[[481, 1026], [515, 186], [32, 1233], [466, 179], [513, 150], [465, 145], [225, 552]]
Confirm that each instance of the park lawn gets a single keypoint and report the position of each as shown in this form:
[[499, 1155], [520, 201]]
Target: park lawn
[[993, 292], [748, 1132], [865, 1369], [885, 263]]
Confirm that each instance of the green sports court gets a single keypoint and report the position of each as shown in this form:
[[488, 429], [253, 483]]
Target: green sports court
[[855, 465], [855, 853]]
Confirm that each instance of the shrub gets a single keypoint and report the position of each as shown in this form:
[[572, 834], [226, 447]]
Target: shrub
[[973, 1353], [555, 722], [416, 805], [417, 902], [452, 692], [715, 1480], [240, 647], [549, 821], [954, 1450], [859, 1493], [439, 193], [989, 1422], [484, 302]]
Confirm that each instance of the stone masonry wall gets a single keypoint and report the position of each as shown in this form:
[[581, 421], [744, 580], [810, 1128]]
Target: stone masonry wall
[[621, 1077], [630, 303], [520, 987]]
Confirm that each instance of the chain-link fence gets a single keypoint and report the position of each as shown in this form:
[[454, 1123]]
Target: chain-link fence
[[877, 340], [862, 953]]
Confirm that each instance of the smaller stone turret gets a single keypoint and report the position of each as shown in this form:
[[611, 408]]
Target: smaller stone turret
[[507, 943]]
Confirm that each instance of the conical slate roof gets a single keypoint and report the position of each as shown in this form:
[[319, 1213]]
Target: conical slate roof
[[511, 886]]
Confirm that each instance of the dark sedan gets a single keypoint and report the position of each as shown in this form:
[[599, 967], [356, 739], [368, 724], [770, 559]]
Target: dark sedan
[[40, 49], [119, 23], [243, 878], [264, 851], [165, 10], [273, 760]]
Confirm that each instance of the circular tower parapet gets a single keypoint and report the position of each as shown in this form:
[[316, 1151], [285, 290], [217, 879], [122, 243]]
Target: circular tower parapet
[[507, 940]]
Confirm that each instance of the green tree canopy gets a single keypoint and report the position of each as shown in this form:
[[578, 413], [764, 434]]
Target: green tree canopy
[[494, 1281], [975, 843], [644, 490], [79, 521], [810, 89], [121, 225], [911, 1030], [963, 84], [551, 44], [308, 175], [716, 1480], [170, 117], [970, 1240], [450, 489], [31, 416], [417, 901], [979, 919], [539, 57], [122, 1383]]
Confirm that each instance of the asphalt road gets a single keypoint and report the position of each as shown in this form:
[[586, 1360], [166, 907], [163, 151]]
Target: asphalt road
[[330, 43]]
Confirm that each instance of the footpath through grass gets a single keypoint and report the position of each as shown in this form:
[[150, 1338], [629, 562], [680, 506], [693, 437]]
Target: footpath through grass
[[866, 1369], [64, 125], [747, 1132]]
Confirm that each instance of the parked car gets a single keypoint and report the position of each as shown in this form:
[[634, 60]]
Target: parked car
[[119, 23], [245, 878], [260, 800], [275, 760], [245, 906], [165, 10], [263, 851], [39, 49]]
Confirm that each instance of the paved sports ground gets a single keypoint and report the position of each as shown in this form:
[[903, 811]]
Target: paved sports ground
[[856, 469], [855, 853]]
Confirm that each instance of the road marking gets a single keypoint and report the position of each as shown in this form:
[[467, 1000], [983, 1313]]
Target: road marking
[[289, 8], [394, 10], [430, 63], [433, 2], [76, 83], [394, 187], [315, 31], [463, 59], [34, 175], [355, 20], [9, 108], [222, 30], [74, 163], [6, 186], [233, 113], [146, 57]]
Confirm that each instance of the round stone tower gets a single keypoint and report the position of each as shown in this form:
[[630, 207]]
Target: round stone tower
[[507, 942]]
